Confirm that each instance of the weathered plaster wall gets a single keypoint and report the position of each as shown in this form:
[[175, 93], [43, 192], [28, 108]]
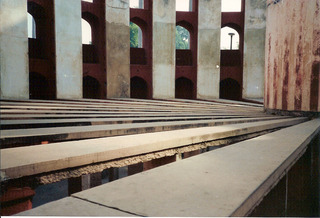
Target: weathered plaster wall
[[118, 48], [293, 55], [254, 48], [209, 49], [68, 37], [164, 29], [14, 73]]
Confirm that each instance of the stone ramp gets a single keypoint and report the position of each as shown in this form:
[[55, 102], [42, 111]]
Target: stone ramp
[[229, 181]]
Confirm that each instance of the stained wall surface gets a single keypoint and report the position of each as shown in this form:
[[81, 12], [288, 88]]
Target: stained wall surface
[[118, 48], [293, 55], [164, 29], [254, 48], [208, 77], [68, 37], [14, 73]]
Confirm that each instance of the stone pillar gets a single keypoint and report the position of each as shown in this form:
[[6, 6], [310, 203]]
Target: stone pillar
[[209, 49], [293, 56], [254, 49], [163, 59], [68, 36], [14, 73], [118, 48]]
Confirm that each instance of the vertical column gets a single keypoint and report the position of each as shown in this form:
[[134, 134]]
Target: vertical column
[[14, 73], [68, 37], [163, 61], [254, 47], [209, 49], [118, 48]]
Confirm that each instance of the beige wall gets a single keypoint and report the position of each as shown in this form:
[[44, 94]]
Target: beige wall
[[14, 65], [68, 38], [164, 29], [118, 48], [209, 49]]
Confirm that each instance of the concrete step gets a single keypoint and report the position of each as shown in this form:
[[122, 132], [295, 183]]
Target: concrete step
[[24, 137], [229, 181], [32, 160]]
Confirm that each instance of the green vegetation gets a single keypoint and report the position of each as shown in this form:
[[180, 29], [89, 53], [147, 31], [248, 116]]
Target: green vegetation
[[134, 41], [182, 38]]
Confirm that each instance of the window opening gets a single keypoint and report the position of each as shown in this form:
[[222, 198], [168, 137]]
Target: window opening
[[135, 36], [86, 33], [136, 4], [91, 1], [182, 38], [229, 39], [184, 5], [31, 27], [231, 6]]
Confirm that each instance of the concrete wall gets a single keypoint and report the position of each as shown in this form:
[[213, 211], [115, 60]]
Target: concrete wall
[[209, 49], [293, 55], [164, 29], [14, 72], [68, 37], [254, 49], [118, 48]]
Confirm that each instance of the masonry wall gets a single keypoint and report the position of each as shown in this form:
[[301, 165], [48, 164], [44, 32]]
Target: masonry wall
[[293, 55]]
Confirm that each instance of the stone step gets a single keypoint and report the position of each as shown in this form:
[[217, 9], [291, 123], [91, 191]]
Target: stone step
[[32, 160]]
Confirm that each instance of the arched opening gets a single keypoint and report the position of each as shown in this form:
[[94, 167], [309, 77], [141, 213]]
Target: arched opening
[[135, 36], [231, 6], [230, 89], [137, 4], [230, 39], [138, 88], [182, 38], [91, 87], [31, 27], [184, 5], [86, 32], [184, 88], [38, 86]]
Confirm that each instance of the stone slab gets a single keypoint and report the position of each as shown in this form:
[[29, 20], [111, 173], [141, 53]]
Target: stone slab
[[225, 182], [31, 160], [71, 206]]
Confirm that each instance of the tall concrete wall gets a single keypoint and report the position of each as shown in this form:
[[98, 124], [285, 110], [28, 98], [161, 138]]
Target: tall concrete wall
[[118, 48], [68, 38], [209, 49], [14, 70], [164, 29], [254, 48], [293, 55]]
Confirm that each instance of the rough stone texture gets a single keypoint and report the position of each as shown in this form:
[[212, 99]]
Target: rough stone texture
[[118, 48], [164, 30], [293, 56], [14, 72], [209, 49], [68, 37], [254, 49]]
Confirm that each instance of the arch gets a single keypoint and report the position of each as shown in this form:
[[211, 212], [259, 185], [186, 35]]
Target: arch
[[138, 88], [183, 5], [230, 89], [182, 38], [137, 4], [136, 37], [230, 39], [86, 32], [31, 27], [231, 5], [91, 87], [38, 86], [184, 88]]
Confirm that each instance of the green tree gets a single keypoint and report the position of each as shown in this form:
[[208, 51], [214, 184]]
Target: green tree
[[134, 41], [182, 38]]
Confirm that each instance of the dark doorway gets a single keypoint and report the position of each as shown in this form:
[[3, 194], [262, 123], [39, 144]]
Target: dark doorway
[[230, 89], [91, 87], [38, 86], [138, 88], [184, 88]]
